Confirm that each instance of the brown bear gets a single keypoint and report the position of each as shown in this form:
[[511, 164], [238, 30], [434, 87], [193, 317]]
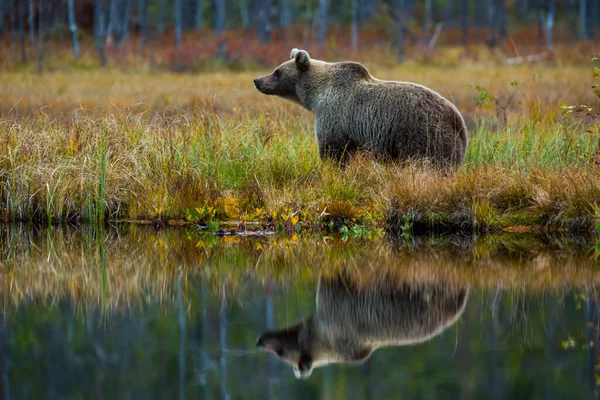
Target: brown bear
[[354, 111], [353, 319]]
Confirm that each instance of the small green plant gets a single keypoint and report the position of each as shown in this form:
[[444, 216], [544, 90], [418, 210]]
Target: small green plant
[[483, 98], [201, 215], [406, 228], [582, 109], [286, 219], [213, 225], [345, 232]]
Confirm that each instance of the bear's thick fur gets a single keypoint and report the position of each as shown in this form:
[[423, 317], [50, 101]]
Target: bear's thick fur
[[353, 319], [354, 111]]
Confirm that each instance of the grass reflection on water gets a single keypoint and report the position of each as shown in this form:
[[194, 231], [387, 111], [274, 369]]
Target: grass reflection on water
[[129, 264], [131, 312]]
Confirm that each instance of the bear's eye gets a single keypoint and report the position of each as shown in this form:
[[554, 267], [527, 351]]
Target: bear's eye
[[277, 73]]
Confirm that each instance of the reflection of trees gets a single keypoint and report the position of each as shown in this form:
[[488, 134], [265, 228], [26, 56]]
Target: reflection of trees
[[4, 382], [269, 324], [182, 334], [223, 343], [202, 344], [592, 333], [550, 307], [99, 314], [498, 367], [138, 351]]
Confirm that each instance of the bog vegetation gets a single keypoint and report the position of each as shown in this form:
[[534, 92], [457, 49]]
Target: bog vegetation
[[108, 145]]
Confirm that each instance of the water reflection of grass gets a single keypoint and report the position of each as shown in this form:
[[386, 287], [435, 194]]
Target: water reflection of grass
[[132, 264]]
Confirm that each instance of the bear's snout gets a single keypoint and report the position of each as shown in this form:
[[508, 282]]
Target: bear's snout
[[263, 85], [257, 84]]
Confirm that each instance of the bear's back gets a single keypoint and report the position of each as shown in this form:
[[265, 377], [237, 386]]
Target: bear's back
[[400, 119], [386, 311]]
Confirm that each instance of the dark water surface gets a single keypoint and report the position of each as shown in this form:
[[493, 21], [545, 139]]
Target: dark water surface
[[133, 313]]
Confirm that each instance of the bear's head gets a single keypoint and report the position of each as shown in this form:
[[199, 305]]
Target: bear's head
[[304, 348], [306, 81], [286, 344], [286, 78]]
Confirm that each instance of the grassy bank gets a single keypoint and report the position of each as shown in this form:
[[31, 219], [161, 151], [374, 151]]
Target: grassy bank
[[106, 145]]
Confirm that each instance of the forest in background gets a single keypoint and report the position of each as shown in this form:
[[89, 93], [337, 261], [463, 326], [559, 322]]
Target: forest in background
[[186, 34]]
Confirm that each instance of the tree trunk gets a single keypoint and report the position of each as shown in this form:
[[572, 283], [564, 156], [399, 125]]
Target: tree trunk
[[13, 34], [124, 25], [99, 31], [592, 16], [111, 29], [244, 16], [4, 365], [73, 27], [480, 13], [427, 22], [182, 332], [160, 18], [492, 24], [205, 333], [223, 325], [265, 32], [322, 21], [464, 21], [540, 23], [367, 10], [523, 8], [177, 13], [199, 14], [354, 23], [591, 339], [2, 14], [220, 27], [285, 13], [31, 23], [42, 11], [550, 23], [501, 22], [400, 27], [143, 10], [22, 31], [270, 325], [498, 366], [583, 33]]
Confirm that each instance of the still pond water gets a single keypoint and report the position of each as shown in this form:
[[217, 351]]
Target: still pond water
[[129, 312]]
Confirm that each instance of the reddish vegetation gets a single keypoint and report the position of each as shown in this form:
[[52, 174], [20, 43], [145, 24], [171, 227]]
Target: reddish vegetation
[[244, 50]]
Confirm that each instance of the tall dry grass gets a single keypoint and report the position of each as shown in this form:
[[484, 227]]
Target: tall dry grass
[[108, 145]]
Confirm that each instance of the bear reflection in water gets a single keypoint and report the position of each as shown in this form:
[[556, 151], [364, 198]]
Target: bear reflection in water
[[353, 319]]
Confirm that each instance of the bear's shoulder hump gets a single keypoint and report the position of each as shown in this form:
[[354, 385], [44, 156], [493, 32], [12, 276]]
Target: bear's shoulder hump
[[349, 70]]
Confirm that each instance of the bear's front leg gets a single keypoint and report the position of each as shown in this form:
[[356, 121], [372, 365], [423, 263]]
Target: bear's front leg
[[333, 146]]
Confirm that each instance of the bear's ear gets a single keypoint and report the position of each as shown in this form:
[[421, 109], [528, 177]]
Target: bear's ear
[[302, 58]]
